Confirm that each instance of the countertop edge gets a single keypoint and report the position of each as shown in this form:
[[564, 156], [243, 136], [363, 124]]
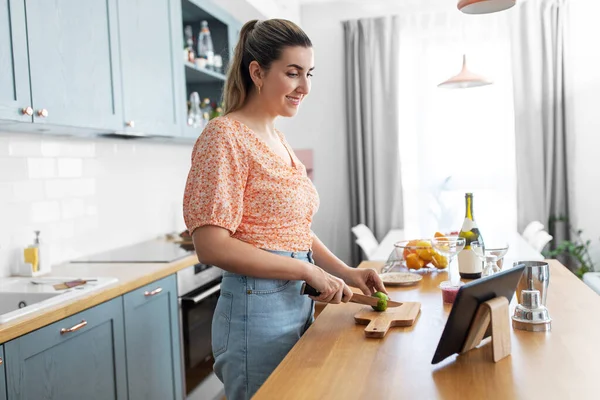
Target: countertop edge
[[29, 323]]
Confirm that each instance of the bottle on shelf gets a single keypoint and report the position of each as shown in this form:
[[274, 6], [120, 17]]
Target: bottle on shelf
[[205, 107], [205, 45], [469, 264], [218, 67], [195, 115], [188, 51]]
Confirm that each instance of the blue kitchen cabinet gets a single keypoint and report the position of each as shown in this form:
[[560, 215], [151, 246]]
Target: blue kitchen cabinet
[[79, 357], [2, 376], [152, 76], [15, 98], [74, 63], [152, 341]]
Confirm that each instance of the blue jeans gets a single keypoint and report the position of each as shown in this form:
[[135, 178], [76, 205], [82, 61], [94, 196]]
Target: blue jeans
[[256, 323]]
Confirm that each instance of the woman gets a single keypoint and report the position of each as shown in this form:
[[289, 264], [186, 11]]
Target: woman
[[249, 205]]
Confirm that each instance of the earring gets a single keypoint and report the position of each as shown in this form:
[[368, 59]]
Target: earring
[[258, 87]]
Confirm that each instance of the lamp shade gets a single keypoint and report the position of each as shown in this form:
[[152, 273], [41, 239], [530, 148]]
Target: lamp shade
[[465, 79], [484, 6]]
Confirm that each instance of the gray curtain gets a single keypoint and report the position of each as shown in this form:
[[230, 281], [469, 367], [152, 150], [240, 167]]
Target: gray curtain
[[371, 60], [542, 125]]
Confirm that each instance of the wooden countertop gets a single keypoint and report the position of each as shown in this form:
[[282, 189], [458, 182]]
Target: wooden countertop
[[334, 360], [131, 277]]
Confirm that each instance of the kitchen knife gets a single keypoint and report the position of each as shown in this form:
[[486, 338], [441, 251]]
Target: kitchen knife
[[356, 297]]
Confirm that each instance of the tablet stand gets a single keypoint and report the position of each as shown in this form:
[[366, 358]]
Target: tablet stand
[[494, 314]]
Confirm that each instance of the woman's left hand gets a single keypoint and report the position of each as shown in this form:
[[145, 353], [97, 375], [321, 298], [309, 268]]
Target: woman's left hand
[[366, 279]]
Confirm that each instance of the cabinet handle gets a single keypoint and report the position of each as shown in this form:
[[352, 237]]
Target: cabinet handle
[[152, 293], [43, 113], [130, 124], [27, 111], [73, 328]]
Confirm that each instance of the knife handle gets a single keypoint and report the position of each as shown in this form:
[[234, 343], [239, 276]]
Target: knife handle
[[309, 290]]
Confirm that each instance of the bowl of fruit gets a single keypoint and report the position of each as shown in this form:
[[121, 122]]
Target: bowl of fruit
[[419, 255]]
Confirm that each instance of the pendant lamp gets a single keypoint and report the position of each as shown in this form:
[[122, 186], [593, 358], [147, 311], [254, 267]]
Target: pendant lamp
[[465, 79], [484, 6]]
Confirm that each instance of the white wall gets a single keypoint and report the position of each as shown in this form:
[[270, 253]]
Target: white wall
[[86, 195], [95, 194], [585, 57], [246, 10], [320, 123]]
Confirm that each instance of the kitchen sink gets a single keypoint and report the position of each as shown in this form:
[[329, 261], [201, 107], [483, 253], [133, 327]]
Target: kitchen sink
[[20, 296]]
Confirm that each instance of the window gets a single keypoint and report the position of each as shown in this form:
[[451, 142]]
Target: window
[[454, 141]]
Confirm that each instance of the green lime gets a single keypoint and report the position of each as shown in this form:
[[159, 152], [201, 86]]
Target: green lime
[[382, 302]]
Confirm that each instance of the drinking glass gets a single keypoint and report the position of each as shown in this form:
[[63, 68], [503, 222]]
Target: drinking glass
[[449, 246], [491, 255]]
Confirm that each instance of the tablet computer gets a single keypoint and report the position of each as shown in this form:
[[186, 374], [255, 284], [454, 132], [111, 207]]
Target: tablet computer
[[468, 299]]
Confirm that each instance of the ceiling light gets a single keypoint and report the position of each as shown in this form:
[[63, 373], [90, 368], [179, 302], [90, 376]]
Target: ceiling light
[[465, 79], [484, 6]]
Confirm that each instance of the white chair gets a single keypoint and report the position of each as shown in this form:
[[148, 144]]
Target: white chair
[[368, 247], [363, 231], [365, 239], [531, 229], [540, 240]]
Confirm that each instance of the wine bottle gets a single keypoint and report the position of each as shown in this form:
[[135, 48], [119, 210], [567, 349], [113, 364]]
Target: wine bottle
[[469, 264]]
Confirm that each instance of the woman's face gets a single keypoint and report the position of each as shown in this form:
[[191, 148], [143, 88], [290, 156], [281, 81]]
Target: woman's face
[[287, 82]]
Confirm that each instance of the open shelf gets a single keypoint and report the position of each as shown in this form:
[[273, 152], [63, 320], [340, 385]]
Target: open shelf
[[193, 12], [224, 32], [194, 74]]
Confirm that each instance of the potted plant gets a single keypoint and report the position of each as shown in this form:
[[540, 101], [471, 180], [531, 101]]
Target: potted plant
[[573, 253]]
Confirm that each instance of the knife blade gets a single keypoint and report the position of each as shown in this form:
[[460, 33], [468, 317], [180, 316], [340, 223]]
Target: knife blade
[[356, 297]]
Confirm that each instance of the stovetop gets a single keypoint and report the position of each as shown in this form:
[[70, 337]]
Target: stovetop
[[151, 251]]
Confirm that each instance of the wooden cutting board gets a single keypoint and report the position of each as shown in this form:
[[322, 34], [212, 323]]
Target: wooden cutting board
[[378, 322]]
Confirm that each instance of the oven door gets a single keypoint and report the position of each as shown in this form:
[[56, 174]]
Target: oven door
[[197, 309]]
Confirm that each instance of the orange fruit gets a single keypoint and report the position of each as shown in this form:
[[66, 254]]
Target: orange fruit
[[439, 261], [413, 261], [425, 252], [408, 250], [440, 235]]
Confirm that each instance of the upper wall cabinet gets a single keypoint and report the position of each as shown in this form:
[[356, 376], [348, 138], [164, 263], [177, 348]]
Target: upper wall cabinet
[[152, 77], [113, 66], [15, 98], [74, 62]]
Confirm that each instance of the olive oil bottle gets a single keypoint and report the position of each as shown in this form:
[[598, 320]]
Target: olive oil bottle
[[469, 264]]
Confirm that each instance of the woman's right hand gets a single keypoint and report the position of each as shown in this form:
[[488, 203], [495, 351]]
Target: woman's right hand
[[333, 289]]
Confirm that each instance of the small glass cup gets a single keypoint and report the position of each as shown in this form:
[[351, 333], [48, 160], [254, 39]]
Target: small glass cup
[[450, 290], [449, 246], [491, 255]]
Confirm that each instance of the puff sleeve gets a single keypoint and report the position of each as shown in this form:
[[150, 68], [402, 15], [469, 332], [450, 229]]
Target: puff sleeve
[[214, 191]]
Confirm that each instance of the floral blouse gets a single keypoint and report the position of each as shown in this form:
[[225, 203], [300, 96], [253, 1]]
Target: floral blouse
[[236, 181]]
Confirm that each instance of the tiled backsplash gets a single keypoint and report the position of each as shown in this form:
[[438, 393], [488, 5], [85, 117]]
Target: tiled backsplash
[[86, 195]]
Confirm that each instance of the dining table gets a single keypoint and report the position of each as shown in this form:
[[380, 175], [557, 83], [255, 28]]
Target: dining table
[[334, 359], [518, 248]]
